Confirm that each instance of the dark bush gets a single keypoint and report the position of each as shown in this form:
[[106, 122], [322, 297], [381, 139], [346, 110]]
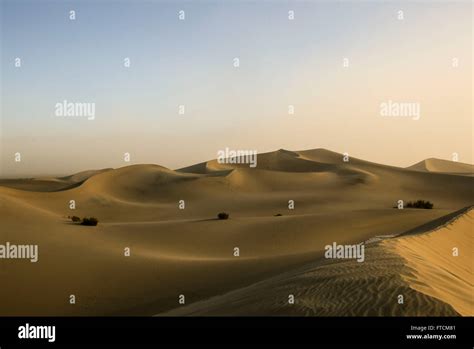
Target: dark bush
[[223, 215], [75, 219], [89, 221], [420, 204], [278, 215]]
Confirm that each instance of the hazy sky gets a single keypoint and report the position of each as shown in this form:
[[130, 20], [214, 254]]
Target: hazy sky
[[282, 62]]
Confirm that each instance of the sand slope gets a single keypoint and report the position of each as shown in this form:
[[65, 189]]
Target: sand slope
[[435, 270], [439, 165], [419, 267], [48, 184], [187, 251]]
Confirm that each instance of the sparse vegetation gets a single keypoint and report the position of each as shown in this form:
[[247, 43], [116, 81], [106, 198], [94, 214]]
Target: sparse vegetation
[[223, 215], [419, 204], [75, 219], [91, 221]]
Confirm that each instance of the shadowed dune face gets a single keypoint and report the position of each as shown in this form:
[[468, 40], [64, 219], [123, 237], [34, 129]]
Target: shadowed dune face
[[327, 289], [189, 250]]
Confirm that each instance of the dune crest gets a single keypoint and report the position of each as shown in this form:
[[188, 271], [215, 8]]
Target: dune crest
[[443, 166], [419, 267], [435, 269], [51, 184]]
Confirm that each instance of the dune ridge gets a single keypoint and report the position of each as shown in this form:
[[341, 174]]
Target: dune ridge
[[443, 166], [435, 268], [406, 265]]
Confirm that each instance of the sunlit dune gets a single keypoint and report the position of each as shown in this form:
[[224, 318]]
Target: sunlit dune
[[168, 219]]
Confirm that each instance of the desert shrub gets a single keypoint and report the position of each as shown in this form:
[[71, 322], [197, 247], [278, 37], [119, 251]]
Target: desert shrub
[[75, 219], [419, 204], [90, 221], [223, 215]]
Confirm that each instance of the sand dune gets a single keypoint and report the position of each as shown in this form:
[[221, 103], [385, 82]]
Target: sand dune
[[187, 251], [48, 184], [419, 267], [439, 165], [436, 269]]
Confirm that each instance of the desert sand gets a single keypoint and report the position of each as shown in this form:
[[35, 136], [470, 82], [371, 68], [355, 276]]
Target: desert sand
[[443, 166], [188, 252], [420, 267]]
